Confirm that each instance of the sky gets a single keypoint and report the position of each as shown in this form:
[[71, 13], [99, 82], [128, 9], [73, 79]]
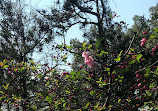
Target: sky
[[126, 9]]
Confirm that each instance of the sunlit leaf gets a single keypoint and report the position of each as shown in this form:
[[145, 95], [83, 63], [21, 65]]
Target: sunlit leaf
[[5, 66]]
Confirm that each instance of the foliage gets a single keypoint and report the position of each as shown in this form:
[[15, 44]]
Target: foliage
[[121, 80], [22, 31]]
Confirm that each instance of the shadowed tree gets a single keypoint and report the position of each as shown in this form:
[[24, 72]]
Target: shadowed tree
[[22, 31]]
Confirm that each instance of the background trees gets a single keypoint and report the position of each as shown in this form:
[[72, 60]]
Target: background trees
[[22, 31], [125, 77]]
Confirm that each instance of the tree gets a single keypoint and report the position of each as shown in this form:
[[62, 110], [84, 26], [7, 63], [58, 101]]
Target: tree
[[153, 15], [122, 80], [21, 32]]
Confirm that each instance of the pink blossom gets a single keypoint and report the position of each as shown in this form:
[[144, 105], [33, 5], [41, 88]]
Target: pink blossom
[[153, 89], [122, 67], [144, 32], [131, 88], [136, 97], [81, 66], [145, 87], [85, 54], [9, 72], [65, 73], [137, 75], [92, 64], [143, 40], [139, 85], [152, 53], [141, 89], [138, 80], [135, 85], [88, 60], [142, 44], [153, 49]]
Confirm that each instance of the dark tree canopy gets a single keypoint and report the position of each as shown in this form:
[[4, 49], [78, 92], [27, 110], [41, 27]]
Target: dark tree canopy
[[21, 31]]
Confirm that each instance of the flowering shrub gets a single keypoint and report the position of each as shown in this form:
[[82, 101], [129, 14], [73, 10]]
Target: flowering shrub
[[124, 81], [89, 60], [143, 42]]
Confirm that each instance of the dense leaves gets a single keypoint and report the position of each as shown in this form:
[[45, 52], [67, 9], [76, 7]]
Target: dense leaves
[[112, 69]]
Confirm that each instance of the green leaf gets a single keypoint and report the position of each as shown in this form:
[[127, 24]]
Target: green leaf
[[4, 61], [120, 80], [98, 42], [147, 72], [103, 53], [107, 69], [155, 30], [64, 104], [90, 46], [100, 78], [138, 57], [5, 66], [73, 73], [151, 37], [110, 106], [119, 100], [132, 62], [131, 49], [99, 82], [86, 106], [5, 87], [84, 44], [1, 92], [118, 59], [92, 92], [67, 91]]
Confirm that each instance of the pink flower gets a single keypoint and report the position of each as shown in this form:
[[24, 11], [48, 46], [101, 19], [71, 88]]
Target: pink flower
[[142, 44], [122, 67], [136, 97], [85, 54], [139, 85], [137, 75], [152, 53], [143, 40], [144, 32], [92, 64], [88, 60], [9, 72], [65, 73], [135, 85], [141, 89], [145, 87], [81, 66], [153, 49], [154, 89]]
